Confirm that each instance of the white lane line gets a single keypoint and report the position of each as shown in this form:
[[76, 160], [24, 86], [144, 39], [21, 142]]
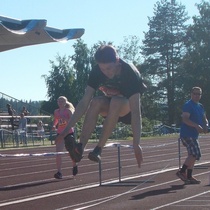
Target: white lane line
[[104, 200], [97, 202], [81, 188], [207, 205], [181, 200], [96, 185], [48, 195]]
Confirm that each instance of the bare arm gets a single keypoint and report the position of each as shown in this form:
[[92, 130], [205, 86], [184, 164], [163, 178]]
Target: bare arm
[[55, 121], [206, 123], [79, 111], [136, 124]]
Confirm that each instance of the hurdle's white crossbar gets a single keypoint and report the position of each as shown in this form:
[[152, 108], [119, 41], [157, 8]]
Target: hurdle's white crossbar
[[27, 116]]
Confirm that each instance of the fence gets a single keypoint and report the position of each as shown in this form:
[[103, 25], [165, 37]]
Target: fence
[[19, 138]]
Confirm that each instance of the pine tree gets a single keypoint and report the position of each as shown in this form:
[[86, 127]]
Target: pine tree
[[163, 48]]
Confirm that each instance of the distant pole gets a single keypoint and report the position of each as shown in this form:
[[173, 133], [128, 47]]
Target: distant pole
[[100, 179], [119, 162], [1, 137]]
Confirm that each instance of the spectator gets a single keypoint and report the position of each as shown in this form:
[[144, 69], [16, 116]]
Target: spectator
[[194, 121], [26, 113], [40, 129], [23, 129], [11, 113]]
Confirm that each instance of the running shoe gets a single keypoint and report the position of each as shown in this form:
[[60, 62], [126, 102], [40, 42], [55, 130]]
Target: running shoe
[[75, 149], [58, 175], [95, 155], [182, 176], [75, 170], [193, 180]]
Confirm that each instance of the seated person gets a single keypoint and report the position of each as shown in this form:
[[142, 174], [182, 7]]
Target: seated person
[[22, 128], [40, 129]]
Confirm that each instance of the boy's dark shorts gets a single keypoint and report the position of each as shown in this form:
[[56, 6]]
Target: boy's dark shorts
[[125, 119], [192, 145]]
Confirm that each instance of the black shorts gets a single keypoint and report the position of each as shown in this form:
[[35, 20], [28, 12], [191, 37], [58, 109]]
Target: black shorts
[[125, 119]]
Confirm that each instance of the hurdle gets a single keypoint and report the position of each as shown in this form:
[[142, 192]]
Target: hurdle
[[119, 166]]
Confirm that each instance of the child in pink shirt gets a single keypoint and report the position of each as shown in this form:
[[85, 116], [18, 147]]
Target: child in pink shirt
[[62, 116]]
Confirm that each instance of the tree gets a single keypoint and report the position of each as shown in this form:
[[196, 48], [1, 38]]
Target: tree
[[196, 63], [163, 48], [59, 82], [130, 49], [81, 67]]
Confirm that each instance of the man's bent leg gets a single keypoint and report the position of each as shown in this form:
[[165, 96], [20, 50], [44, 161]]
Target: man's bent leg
[[98, 105], [118, 106], [74, 149]]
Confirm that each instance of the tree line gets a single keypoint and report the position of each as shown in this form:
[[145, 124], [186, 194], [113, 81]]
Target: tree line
[[173, 57]]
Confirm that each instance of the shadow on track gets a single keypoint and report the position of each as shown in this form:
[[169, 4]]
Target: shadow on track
[[172, 189], [32, 184]]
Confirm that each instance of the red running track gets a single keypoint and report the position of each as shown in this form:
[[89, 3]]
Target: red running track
[[28, 183]]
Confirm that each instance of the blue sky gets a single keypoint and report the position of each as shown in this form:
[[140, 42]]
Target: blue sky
[[109, 20]]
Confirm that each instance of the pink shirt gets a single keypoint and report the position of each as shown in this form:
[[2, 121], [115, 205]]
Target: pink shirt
[[61, 118]]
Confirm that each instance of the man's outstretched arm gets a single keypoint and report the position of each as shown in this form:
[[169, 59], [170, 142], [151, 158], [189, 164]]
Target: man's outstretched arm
[[136, 124], [79, 111]]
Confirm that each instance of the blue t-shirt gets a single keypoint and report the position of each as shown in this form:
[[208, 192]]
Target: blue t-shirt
[[196, 111]]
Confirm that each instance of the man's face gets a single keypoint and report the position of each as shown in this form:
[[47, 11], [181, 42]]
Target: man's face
[[108, 69], [196, 95]]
